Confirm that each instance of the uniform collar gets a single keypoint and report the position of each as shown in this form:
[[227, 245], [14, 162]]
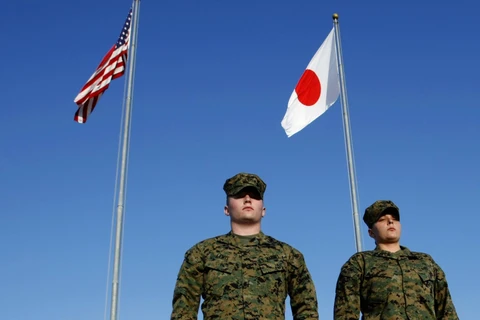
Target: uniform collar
[[231, 239], [403, 253]]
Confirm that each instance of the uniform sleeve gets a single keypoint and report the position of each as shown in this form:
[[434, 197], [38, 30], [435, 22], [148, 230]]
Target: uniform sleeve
[[303, 298], [189, 287], [444, 308], [347, 293]]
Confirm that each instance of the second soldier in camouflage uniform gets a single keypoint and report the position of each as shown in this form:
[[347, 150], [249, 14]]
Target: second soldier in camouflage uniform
[[391, 282], [244, 274]]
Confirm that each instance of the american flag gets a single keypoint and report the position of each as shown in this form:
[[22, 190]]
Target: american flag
[[111, 67]]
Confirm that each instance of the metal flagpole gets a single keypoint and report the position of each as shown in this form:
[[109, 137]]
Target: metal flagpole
[[348, 135], [123, 165]]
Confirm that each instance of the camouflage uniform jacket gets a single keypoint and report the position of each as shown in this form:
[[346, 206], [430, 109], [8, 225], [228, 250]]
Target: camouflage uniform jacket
[[392, 286], [241, 281]]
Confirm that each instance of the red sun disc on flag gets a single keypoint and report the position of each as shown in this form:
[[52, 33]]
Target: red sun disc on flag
[[308, 88]]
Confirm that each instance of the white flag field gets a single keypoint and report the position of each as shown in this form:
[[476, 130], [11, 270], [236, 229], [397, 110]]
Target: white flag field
[[316, 91]]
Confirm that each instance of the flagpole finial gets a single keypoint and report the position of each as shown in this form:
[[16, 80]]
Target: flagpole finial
[[335, 16]]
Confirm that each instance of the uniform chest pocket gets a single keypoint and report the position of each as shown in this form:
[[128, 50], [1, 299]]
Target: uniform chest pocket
[[426, 289], [271, 280], [272, 266], [426, 277], [376, 285], [218, 277]]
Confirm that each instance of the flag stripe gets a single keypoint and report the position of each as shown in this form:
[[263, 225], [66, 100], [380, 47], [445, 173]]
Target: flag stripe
[[82, 113], [111, 67], [102, 76]]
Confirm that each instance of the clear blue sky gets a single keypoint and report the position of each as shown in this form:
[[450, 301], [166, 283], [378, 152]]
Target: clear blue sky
[[212, 83]]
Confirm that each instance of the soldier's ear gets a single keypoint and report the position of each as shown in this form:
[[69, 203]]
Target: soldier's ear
[[227, 212], [371, 234], [264, 210]]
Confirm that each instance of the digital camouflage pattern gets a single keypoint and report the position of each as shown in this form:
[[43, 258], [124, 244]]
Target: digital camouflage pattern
[[376, 210], [242, 180], [393, 286], [240, 281]]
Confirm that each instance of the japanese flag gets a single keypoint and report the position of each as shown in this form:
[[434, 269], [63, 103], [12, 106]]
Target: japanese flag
[[316, 91]]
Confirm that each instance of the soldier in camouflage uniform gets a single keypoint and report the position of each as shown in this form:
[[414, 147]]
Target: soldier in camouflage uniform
[[391, 282], [244, 274]]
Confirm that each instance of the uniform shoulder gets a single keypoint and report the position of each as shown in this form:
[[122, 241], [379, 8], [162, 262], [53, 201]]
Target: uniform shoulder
[[291, 254], [355, 266], [285, 247], [207, 243], [424, 259], [361, 255], [199, 251], [421, 255], [358, 260]]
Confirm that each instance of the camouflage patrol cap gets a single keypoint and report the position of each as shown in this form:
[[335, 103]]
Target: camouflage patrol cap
[[378, 209], [242, 180]]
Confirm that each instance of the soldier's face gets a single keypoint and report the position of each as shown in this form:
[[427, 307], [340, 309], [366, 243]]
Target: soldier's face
[[246, 207], [386, 230]]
